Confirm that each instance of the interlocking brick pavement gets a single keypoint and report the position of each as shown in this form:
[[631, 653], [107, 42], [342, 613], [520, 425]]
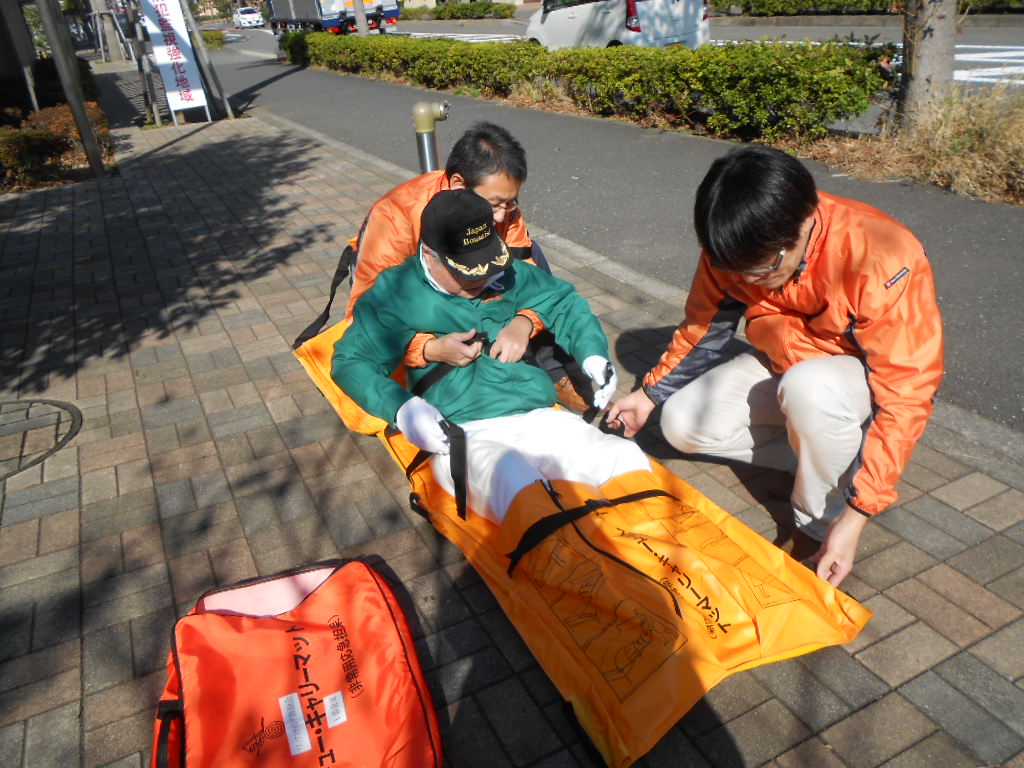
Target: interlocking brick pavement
[[206, 456]]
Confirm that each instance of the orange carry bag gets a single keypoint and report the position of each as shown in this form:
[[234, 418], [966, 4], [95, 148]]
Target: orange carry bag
[[311, 667]]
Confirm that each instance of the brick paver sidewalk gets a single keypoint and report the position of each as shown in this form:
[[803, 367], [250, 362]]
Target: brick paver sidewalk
[[160, 304]]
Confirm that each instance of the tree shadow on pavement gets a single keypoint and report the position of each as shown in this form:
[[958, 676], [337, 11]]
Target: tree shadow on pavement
[[101, 271], [242, 100]]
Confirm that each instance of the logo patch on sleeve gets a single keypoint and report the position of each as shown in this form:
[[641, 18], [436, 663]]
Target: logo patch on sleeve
[[897, 277]]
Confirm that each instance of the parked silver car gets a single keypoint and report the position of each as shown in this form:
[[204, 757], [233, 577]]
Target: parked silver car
[[602, 23]]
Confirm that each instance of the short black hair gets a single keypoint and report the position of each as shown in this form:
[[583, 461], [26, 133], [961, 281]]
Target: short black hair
[[751, 205], [484, 149]]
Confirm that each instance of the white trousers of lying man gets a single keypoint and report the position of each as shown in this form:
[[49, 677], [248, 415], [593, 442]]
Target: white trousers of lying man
[[508, 453]]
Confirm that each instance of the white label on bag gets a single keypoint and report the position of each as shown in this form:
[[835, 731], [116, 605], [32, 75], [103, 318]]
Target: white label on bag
[[335, 706], [294, 724]]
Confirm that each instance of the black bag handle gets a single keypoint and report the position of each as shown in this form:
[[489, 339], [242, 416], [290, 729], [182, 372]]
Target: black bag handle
[[168, 711]]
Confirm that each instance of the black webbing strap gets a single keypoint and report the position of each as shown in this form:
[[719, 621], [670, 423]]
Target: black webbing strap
[[440, 370], [457, 456], [520, 251], [344, 267], [546, 526], [434, 375], [417, 462], [457, 451]]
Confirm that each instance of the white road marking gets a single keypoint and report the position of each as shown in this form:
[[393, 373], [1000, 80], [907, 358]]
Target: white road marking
[[1010, 56]]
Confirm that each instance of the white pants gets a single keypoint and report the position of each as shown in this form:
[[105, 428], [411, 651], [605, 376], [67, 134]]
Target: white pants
[[809, 421], [506, 454]]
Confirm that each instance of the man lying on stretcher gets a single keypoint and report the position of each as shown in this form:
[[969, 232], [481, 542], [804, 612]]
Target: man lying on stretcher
[[463, 279]]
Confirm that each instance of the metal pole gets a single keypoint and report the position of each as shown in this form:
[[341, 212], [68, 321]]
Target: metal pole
[[425, 115], [125, 47], [67, 70], [145, 70], [204, 59], [105, 25], [31, 85], [97, 21]]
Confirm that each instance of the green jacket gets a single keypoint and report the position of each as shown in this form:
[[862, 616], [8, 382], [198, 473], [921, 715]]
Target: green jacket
[[402, 303]]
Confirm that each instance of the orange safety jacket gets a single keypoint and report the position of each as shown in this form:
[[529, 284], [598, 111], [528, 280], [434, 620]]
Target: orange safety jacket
[[391, 231], [867, 290]]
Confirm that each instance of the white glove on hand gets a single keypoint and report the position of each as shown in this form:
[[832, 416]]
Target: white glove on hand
[[419, 421], [598, 369]]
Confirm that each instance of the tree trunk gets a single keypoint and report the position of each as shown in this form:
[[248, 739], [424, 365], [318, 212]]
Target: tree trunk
[[929, 30], [362, 28]]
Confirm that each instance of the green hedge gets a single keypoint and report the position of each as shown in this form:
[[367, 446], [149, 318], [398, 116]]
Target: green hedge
[[293, 47], [453, 10], [213, 38], [797, 7], [746, 90]]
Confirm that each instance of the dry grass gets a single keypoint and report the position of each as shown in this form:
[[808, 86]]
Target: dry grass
[[975, 148], [543, 96]]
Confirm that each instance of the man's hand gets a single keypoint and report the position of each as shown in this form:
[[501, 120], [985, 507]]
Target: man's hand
[[511, 343], [452, 348], [839, 550], [631, 411]]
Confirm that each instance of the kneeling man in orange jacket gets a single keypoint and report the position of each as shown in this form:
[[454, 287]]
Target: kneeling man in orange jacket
[[839, 304]]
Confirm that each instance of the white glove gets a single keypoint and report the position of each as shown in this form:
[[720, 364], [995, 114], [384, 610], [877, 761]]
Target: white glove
[[420, 422], [598, 369]]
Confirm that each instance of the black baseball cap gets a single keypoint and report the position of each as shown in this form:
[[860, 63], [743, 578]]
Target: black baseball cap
[[458, 225]]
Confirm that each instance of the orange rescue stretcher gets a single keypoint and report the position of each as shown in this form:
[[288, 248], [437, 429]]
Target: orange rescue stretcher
[[634, 607]]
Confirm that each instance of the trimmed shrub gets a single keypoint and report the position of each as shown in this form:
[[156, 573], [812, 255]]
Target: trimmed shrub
[[213, 38], [747, 90], [293, 47], [47, 145], [453, 10], [59, 122], [474, 10], [29, 156]]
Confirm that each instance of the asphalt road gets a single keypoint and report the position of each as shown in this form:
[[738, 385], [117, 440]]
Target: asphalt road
[[627, 192]]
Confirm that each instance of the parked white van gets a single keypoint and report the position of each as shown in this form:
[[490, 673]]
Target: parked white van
[[601, 23]]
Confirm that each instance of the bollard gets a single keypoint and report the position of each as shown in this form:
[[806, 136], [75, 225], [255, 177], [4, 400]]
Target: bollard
[[424, 116]]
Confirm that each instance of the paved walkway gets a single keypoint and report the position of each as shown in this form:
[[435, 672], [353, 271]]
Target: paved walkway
[[159, 304]]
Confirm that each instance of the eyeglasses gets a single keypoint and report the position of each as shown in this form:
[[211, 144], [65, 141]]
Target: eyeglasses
[[782, 256], [768, 268], [507, 206]]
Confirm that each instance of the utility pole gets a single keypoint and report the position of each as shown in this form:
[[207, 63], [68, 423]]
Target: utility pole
[[67, 70]]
